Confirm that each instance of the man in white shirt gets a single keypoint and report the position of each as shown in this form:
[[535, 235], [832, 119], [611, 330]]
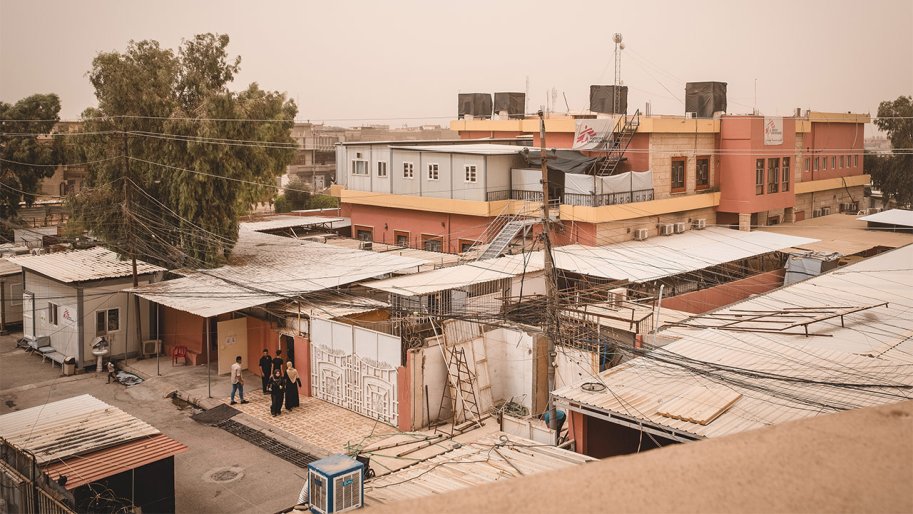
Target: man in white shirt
[[237, 381]]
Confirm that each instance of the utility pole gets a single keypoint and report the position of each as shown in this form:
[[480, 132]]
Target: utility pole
[[551, 318], [131, 245]]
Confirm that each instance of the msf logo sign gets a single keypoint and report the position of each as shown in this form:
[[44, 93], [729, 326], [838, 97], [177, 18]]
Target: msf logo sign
[[586, 134]]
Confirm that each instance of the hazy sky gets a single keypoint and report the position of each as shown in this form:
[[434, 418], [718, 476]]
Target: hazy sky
[[351, 61]]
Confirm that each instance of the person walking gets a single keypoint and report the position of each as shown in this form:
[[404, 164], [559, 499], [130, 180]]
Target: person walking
[[278, 363], [293, 382], [277, 392], [237, 381], [266, 369]]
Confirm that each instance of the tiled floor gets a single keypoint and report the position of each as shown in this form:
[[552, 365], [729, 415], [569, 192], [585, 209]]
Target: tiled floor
[[318, 422]]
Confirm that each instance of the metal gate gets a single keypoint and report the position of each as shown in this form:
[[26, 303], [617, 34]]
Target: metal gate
[[359, 385]]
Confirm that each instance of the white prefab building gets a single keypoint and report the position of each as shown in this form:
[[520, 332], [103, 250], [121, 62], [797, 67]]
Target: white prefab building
[[456, 171], [70, 298], [10, 295]]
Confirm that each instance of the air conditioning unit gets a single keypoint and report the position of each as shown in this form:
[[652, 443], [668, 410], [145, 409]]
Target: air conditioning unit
[[667, 229], [151, 347], [42, 341], [825, 211], [617, 296], [335, 484], [816, 213], [641, 234], [689, 115], [680, 227], [366, 245], [699, 224]]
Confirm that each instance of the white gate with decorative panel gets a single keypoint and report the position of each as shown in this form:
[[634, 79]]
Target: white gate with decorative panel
[[346, 369]]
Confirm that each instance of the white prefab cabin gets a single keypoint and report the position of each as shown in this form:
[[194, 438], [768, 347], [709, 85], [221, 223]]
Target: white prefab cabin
[[70, 298], [465, 171]]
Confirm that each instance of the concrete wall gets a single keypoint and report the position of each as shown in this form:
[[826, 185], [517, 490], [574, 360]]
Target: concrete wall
[[704, 300], [574, 366], [664, 148]]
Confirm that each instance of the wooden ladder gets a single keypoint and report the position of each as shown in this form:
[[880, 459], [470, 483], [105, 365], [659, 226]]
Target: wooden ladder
[[461, 382]]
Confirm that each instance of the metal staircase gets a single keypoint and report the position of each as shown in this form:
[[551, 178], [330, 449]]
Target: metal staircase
[[507, 234], [617, 145]]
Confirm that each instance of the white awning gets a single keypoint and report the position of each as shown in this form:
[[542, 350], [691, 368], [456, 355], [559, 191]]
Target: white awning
[[455, 277]]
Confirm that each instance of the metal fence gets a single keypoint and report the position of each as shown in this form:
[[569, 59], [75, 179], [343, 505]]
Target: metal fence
[[26, 489]]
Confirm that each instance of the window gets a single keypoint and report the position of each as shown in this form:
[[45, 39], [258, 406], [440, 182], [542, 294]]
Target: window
[[433, 171], [359, 167], [107, 321], [466, 245], [855, 161], [817, 159], [834, 162], [433, 243], [702, 173], [773, 175], [849, 161], [408, 170], [759, 177], [52, 313], [807, 163], [841, 161], [364, 233], [471, 175], [401, 239], [785, 175], [381, 169], [678, 175]]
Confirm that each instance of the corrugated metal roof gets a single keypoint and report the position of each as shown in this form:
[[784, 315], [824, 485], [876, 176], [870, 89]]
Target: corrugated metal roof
[[83, 265], [455, 276], [9, 268], [780, 377], [496, 457], [280, 222], [330, 305], [75, 426], [474, 149], [102, 464], [900, 217], [884, 332], [782, 382], [433, 260], [266, 268], [659, 257]]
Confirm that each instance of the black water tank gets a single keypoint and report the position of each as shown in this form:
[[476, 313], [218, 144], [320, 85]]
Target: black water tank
[[602, 99], [705, 98], [513, 103], [478, 105]]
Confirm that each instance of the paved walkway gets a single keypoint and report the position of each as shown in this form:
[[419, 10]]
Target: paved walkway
[[316, 423]]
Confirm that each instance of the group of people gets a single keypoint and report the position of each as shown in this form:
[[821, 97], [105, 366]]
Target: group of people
[[280, 380]]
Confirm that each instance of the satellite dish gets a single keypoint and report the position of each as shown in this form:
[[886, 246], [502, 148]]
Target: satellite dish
[[621, 46], [616, 38]]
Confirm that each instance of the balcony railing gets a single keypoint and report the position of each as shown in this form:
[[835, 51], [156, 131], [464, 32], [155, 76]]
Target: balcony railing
[[494, 196], [590, 200], [594, 200], [530, 196]]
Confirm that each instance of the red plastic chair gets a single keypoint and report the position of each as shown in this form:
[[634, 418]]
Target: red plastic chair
[[178, 352]]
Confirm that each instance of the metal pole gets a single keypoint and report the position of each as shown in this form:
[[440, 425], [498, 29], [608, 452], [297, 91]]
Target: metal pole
[[659, 309], [158, 344], [550, 285], [208, 361]]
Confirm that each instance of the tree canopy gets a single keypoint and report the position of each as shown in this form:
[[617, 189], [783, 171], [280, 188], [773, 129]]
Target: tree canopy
[[27, 154], [198, 154], [894, 174]]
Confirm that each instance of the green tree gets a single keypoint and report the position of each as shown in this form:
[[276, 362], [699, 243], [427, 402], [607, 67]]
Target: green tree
[[27, 152], [297, 196], [894, 174], [199, 154]]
